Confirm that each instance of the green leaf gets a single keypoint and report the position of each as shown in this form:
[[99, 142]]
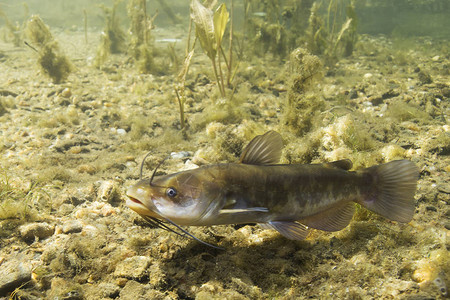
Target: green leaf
[[221, 17], [204, 27]]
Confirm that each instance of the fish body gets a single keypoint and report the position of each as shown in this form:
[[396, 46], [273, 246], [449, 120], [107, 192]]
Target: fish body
[[288, 198]]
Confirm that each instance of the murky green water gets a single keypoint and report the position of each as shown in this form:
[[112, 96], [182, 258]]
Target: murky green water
[[88, 88]]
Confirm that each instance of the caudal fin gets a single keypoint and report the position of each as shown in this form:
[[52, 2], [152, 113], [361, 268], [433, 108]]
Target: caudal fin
[[391, 191]]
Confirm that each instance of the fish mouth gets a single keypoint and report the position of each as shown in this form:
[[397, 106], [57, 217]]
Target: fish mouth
[[137, 205], [134, 200]]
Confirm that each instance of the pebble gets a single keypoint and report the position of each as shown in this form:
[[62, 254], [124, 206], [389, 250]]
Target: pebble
[[13, 274], [133, 267], [431, 208], [72, 226], [180, 155], [368, 75], [109, 290], [36, 230], [66, 93], [447, 225], [121, 131], [435, 58]]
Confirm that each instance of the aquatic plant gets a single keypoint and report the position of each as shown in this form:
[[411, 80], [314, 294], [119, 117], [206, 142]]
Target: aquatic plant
[[51, 59], [324, 37], [112, 37], [180, 86], [139, 47], [17, 204], [265, 27], [275, 27], [303, 102], [14, 29], [210, 29], [169, 12]]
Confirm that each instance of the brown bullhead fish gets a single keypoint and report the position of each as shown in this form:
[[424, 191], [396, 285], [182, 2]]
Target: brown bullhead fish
[[288, 198]]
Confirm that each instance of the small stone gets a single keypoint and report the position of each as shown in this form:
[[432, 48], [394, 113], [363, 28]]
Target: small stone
[[72, 226], [435, 58], [121, 282], [424, 78], [109, 290], [65, 289], [180, 155], [121, 131], [85, 168], [133, 267], [13, 274], [36, 230], [368, 75], [66, 93], [431, 208]]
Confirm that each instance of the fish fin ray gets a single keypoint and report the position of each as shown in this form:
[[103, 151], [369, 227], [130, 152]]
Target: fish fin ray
[[332, 219], [290, 230], [394, 185], [242, 210], [263, 149]]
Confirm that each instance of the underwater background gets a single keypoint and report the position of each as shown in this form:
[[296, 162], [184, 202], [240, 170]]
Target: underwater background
[[87, 88]]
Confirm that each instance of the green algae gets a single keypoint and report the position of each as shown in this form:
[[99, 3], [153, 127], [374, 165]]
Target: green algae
[[402, 111], [112, 40], [51, 58], [20, 204], [304, 103]]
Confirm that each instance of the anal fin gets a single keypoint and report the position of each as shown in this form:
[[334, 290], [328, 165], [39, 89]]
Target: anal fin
[[332, 219], [290, 230]]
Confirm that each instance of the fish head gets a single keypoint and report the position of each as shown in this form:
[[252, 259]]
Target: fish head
[[183, 197]]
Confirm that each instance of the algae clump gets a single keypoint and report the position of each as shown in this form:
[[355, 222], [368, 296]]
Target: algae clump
[[139, 47], [51, 59], [303, 103], [112, 37]]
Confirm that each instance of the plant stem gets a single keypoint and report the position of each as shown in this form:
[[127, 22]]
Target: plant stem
[[222, 92], [85, 26], [181, 104], [221, 74], [231, 46]]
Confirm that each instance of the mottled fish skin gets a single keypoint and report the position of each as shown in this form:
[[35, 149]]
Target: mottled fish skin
[[288, 198]]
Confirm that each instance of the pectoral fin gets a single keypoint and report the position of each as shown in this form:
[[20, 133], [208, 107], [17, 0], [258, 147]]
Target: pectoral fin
[[290, 230]]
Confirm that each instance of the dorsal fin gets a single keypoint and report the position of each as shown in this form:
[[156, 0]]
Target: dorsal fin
[[263, 149], [344, 164]]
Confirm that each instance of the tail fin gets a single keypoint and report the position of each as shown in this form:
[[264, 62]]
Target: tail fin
[[391, 191]]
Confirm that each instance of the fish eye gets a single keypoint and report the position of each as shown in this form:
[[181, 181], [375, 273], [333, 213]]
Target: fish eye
[[171, 192]]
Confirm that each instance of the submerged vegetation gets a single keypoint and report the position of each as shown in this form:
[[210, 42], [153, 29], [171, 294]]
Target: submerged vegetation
[[19, 205], [140, 38], [209, 29], [335, 34], [70, 150], [304, 103], [51, 58], [112, 37]]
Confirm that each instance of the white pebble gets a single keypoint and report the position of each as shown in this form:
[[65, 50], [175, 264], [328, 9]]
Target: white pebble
[[180, 155], [368, 75], [121, 131]]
